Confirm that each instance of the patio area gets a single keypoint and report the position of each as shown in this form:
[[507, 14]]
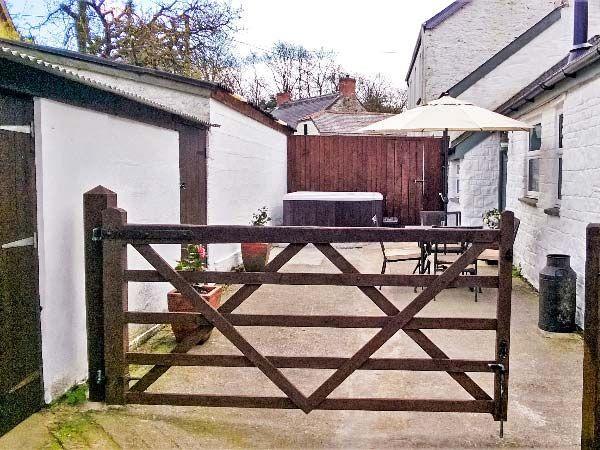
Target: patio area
[[544, 398]]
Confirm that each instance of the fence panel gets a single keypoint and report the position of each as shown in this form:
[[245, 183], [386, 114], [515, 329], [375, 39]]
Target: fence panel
[[407, 171]]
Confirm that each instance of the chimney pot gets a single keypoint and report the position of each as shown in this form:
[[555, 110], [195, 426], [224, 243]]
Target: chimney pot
[[580, 29], [347, 86], [283, 97]]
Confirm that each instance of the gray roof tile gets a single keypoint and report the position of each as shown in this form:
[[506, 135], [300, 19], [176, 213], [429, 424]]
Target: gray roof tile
[[293, 111]]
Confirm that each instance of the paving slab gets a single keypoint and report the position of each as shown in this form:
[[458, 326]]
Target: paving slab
[[545, 384]]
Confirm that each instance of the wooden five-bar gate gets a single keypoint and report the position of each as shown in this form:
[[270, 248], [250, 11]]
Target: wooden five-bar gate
[[116, 235]]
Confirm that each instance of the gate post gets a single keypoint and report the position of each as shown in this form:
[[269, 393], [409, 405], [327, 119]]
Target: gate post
[[94, 202], [590, 429], [116, 339]]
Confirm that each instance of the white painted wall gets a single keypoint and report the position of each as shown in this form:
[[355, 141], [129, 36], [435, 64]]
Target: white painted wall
[[76, 150], [541, 234], [530, 62], [479, 177], [311, 131], [247, 169], [470, 37]]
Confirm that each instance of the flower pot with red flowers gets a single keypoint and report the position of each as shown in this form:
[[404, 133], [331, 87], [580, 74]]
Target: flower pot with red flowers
[[195, 260], [255, 255]]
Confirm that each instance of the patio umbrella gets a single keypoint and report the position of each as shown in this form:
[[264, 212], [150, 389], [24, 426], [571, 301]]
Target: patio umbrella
[[446, 114]]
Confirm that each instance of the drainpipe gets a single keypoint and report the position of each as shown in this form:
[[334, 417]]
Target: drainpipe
[[580, 29]]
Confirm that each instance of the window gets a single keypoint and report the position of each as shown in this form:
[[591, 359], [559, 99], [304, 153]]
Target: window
[[535, 138], [559, 155], [533, 160], [458, 178], [305, 129], [560, 163], [561, 120], [533, 175]]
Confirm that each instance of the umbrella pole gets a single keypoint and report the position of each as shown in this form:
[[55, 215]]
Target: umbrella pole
[[446, 145]]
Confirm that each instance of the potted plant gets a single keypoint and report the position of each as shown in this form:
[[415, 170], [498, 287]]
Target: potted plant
[[255, 255], [491, 219], [195, 260]]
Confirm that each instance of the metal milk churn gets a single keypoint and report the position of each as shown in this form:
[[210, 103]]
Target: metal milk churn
[[558, 286]]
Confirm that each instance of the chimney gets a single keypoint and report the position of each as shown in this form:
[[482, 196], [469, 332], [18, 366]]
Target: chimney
[[283, 97], [580, 29], [347, 86]]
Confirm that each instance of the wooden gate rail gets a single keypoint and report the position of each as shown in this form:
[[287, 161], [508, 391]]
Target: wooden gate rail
[[117, 234]]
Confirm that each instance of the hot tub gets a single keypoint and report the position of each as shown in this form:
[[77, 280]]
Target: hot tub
[[332, 209]]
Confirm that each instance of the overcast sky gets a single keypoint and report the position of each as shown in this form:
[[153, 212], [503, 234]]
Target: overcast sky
[[369, 36]]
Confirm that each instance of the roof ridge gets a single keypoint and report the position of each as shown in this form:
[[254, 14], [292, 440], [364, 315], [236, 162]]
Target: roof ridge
[[307, 99]]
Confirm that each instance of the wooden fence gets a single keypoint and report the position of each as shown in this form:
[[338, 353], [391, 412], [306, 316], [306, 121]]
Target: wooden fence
[[407, 171], [116, 235]]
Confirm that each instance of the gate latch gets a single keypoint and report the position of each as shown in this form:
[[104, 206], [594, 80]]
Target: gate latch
[[500, 369]]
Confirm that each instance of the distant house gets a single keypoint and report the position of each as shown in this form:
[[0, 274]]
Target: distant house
[[176, 150], [329, 122], [336, 113], [7, 26]]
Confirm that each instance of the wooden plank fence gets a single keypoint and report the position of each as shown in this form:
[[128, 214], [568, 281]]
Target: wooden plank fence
[[407, 171]]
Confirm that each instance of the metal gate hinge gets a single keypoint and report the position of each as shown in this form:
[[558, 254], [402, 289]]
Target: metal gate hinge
[[27, 242], [98, 234], [25, 129]]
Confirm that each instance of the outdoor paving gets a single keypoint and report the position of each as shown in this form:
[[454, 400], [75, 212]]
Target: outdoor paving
[[545, 383]]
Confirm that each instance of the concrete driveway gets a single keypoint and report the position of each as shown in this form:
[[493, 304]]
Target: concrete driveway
[[545, 384]]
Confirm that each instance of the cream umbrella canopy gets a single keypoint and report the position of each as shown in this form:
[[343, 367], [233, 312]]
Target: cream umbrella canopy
[[446, 114]]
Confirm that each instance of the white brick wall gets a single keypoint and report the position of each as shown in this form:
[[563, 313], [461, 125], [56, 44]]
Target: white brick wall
[[470, 37], [541, 234], [530, 62], [479, 172]]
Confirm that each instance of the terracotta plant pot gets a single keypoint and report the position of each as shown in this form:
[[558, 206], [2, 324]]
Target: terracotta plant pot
[[255, 256], [179, 303]]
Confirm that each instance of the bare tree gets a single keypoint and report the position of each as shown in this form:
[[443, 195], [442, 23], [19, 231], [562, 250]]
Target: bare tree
[[189, 37], [378, 94]]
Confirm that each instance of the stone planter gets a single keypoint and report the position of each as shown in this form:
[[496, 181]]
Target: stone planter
[[255, 256], [178, 303]]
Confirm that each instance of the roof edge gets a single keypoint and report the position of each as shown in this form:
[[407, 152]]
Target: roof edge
[[115, 64], [547, 81], [445, 14]]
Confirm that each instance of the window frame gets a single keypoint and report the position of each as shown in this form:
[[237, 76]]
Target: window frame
[[532, 155], [558, 178]]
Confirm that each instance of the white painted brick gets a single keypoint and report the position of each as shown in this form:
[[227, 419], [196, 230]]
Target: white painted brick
[[541, 234]]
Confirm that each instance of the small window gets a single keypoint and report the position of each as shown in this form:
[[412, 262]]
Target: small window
[[458, 186], [533, 179], [560, 177], [305, 129], [535, 138], [561, 119]]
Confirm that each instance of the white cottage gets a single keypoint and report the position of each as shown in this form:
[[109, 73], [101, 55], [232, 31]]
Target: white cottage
[[176, 150], [538, 79]]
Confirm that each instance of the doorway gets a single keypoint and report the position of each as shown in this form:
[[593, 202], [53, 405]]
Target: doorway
[[21, 389]]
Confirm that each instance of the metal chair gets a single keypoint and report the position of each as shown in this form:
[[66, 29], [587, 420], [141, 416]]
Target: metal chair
[[399, 255], [456, 249]]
